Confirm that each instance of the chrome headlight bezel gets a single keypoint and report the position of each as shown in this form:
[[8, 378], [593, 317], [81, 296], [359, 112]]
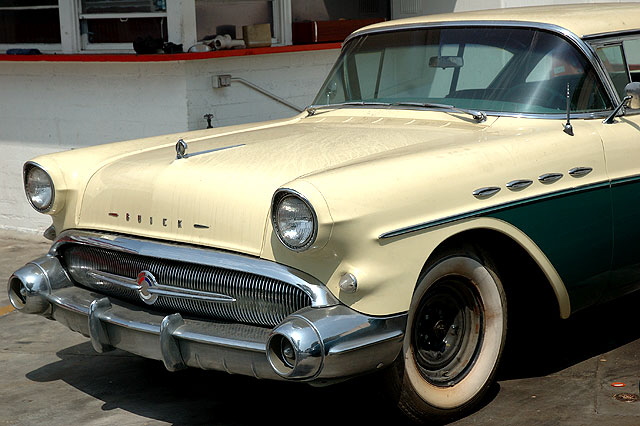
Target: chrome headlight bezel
[[278, 197], [29, 168]]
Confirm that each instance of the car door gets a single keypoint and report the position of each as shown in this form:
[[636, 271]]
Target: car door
[[621, 140]]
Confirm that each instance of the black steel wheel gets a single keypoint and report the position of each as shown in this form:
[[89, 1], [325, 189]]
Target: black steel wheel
[[445, 334], [454, 339]]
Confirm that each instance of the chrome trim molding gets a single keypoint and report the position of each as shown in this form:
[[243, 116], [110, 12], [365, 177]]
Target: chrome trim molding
[[499, 207], [519, 184], [486, 192], [626, 180], [158, 289], [50, 233], [614, 35], [97, 330], [548, 178], [208, 151], [578, 172], [169, 345], [319, 294], [181, 149]]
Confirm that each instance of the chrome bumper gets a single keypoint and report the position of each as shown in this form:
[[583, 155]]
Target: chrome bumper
[[315, 344]]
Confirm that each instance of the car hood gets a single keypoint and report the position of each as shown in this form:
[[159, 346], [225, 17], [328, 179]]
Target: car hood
[[220, 194]]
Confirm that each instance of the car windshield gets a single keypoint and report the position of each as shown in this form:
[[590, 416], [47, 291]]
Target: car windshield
[[494, 69]]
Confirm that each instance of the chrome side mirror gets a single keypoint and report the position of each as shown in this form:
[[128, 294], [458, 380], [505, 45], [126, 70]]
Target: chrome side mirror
[[633, 90]]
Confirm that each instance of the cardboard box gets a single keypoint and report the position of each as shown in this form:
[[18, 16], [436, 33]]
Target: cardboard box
[[258, 35]]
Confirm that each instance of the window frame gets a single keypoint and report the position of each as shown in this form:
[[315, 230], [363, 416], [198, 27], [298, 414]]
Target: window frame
[[181, 27], [582, 44], [39, 46], [85, 45], [610, 40]]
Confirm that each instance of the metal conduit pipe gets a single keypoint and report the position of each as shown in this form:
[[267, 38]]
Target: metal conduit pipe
[[226, 79]]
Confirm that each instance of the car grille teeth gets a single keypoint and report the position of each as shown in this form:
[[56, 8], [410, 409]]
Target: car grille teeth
[[253, 299]]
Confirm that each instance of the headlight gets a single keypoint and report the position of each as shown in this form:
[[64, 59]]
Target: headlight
[[39, 187], [294, 220]]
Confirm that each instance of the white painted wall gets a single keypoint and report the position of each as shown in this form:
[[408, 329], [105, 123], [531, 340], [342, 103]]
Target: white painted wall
[[295, 77], [53, 106]]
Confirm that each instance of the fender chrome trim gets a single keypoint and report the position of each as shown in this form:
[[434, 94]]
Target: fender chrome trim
[[492, 209]]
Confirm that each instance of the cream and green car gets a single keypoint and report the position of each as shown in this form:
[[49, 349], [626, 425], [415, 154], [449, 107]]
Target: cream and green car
[[453, 172]]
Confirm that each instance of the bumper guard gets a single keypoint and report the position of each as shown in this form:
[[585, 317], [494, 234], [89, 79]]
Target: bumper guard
[[316, 344]]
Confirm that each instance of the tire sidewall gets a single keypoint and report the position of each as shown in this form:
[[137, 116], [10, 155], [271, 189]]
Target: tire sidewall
[[476, 381]]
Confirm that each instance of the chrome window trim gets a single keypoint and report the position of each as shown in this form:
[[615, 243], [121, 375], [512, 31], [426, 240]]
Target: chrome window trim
[[583, 46], [613, 39], [319, 294], [619, 35]]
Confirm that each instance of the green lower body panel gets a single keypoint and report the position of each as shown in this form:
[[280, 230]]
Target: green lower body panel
[[574, 230]]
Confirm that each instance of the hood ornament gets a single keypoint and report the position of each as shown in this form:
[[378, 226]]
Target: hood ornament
[[181, 149]]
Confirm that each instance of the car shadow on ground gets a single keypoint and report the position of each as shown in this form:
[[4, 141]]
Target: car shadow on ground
[[190, 397], [549, 346], [143, 387]]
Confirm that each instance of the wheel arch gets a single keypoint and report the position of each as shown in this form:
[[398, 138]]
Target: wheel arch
[[515, 255]]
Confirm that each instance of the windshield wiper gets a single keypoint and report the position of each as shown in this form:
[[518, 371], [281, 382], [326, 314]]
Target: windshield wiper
[[311, 110], [479, 116]]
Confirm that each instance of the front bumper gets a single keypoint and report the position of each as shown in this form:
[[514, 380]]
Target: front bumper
[[315, 344]]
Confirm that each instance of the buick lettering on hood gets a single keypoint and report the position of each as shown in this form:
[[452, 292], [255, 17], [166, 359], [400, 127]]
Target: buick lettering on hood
[[455, 173]]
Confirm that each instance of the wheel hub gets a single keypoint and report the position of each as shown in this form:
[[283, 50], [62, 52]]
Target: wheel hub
[[447, 331]]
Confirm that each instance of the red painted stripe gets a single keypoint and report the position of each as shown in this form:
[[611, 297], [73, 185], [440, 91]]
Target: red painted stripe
[[132, 57]]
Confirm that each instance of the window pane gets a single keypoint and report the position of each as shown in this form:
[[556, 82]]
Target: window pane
[[367, 65], [492, 69], [30, 26], [124, 30], [632, 52], [613, 61], [123, 6], [28, 3], [217, 18]]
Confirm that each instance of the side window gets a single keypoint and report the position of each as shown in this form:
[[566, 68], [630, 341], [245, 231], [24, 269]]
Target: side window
[[613, 60], [632, 52]]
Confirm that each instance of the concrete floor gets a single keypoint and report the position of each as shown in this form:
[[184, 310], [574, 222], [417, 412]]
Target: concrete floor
[[50, 375]]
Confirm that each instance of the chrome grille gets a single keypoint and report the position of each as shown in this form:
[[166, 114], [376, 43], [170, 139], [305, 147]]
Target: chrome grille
[[259, 300]]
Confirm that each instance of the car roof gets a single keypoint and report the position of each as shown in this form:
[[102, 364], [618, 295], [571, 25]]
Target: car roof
[[581, 19]]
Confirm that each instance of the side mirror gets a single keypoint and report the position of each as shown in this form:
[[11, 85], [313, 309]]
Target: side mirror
[[633, 90]]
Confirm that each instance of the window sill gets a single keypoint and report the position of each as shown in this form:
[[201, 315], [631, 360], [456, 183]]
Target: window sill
[[93, 57]]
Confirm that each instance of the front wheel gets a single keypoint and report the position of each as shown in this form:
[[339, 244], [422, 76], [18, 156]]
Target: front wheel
[[454, 338]]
